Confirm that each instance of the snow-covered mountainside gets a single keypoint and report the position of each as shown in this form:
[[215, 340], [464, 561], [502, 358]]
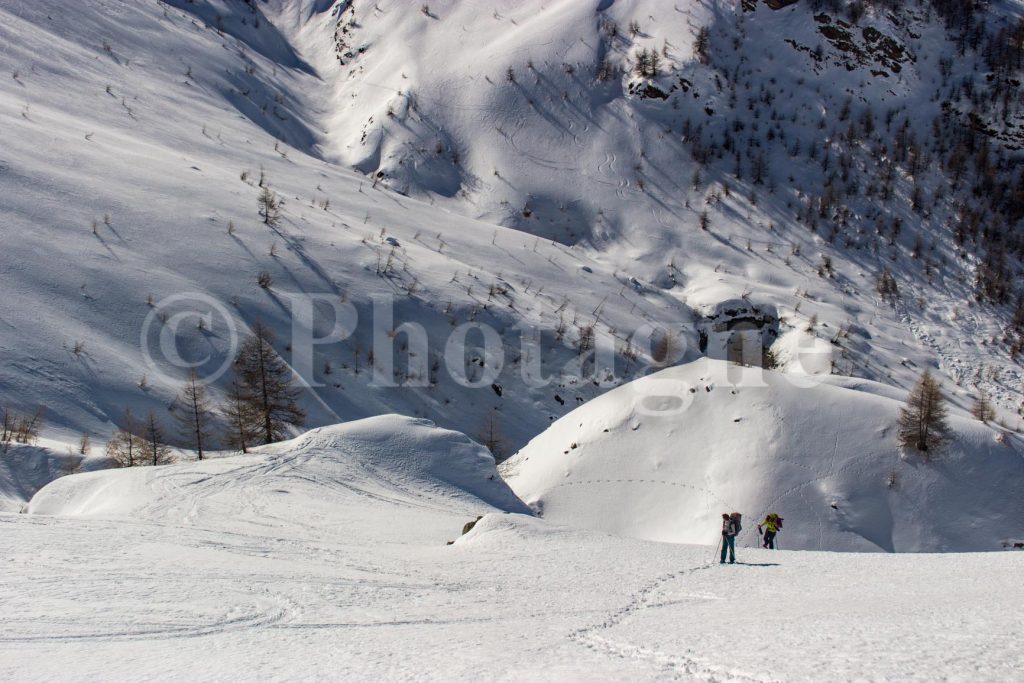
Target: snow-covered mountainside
[[566, 231], [820, 145], [512, 167], [326, 558], [663, 457]]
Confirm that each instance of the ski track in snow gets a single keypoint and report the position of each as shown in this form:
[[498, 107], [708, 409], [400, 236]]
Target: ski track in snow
[[326, 559]]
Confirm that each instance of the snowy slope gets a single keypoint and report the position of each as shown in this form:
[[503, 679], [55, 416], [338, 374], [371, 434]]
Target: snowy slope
[[127, 128], [505, 106], [662, 458], [161, 155], [327, 560], [298, 481]]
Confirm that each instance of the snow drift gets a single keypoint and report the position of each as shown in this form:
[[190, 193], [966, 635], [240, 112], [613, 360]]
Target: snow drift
[[663, 457], [303, 481]]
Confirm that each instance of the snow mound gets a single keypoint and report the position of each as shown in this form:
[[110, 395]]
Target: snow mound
[[404, 461], [663, 457]]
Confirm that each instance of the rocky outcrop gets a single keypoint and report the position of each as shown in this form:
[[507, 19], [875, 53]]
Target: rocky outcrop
[[868, 47]]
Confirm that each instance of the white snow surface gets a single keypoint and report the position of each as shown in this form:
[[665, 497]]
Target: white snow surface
[[325, 559], [125, 128], [662, 457], [132, 134], [393, 451]]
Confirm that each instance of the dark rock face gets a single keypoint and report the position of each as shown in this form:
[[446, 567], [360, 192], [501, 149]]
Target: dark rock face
[[751, 5], [648, 91], [468, 526], [873, 49]]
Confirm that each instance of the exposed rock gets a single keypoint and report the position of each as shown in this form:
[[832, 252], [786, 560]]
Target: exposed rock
[[876, 50], [648, 91], [468, 526]]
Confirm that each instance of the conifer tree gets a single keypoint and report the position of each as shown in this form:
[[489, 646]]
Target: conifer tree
[[195, 415], [156, 450], [702, 44], [922, 421], [126, 446], [982, 408], [491, 436], [266, 381], [6, 428], [269, 206], [242, 420]]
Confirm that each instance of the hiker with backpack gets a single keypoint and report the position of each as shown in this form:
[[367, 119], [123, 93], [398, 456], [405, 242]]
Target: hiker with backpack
[[772, 525], [731, 527]]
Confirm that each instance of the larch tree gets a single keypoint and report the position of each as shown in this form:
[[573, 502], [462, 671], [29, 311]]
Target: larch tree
[[702, 45], [195, 415], [269, 206], [26, 428], [126, 446], [242, 420], [267, 386], [982, 408], [157, 451], [6, 428], [491, 436], [922, 421]]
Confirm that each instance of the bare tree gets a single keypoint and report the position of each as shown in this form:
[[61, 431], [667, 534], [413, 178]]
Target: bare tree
[[196, 415], [922, 421], [702, 45], [607, 71], [267, 385], [647, 63], [243, 422], [27, 427], [585, 339], [6, 428], [157, 451], [666, 348], [491, 436], [983, 408], [887, 287], [269, 206], [126, 446]]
